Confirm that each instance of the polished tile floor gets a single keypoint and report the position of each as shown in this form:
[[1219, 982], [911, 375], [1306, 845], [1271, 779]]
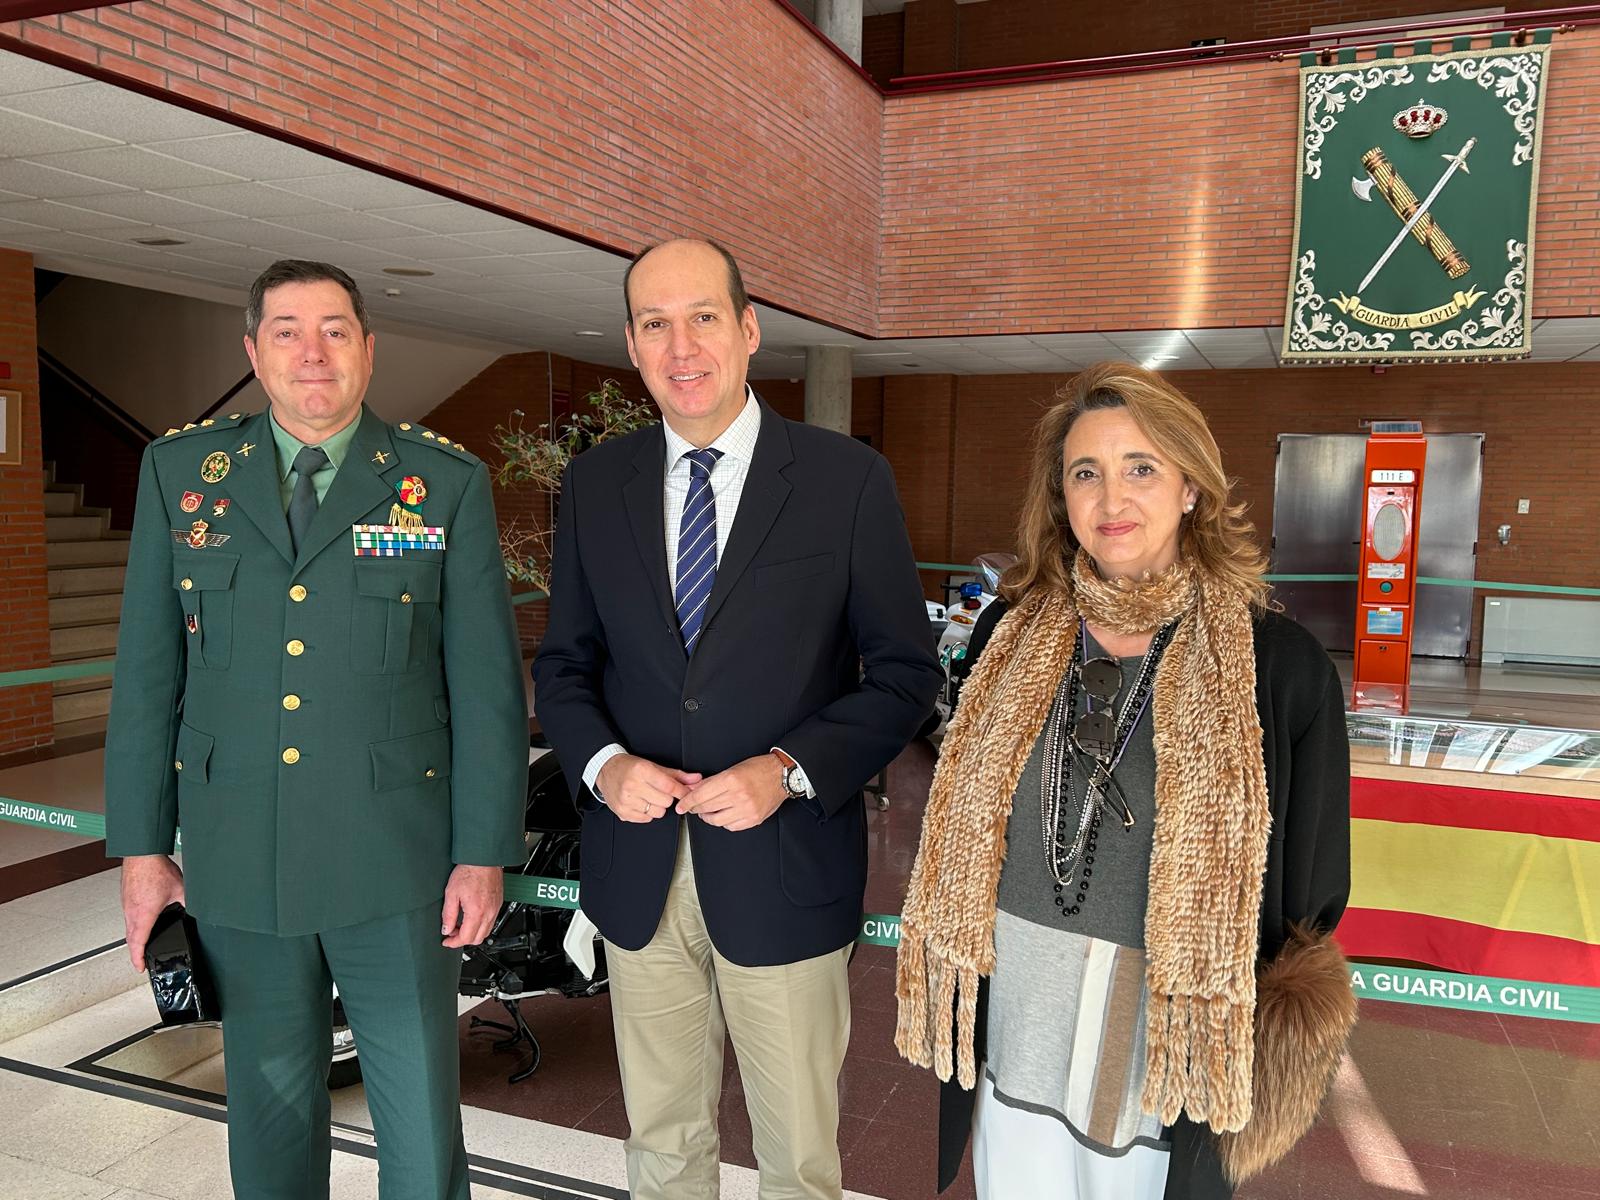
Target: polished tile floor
[[1429, 1102]]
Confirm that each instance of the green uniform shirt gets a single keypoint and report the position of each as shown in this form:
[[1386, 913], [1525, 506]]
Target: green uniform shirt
[[288, 446]]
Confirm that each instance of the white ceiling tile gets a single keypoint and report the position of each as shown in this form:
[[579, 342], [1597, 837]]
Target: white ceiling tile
[[223, 254], [11, 230], [252, 156], [257, 233], [359, 190], [133, 166], [448, 217], [346, 226], [146, 206], [340, 254], [113, 112], [427, 247], [525, 240], [76, 243], [504, 265], [249, 199], [21, 74], [63, 216], [229, 276], [22, 135], [48, 183]]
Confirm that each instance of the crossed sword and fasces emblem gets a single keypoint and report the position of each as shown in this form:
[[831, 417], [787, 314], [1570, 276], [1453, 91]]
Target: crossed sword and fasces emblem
[[1418, 223]]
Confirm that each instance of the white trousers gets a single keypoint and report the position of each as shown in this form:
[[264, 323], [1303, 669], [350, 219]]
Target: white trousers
[[1022, 1155]]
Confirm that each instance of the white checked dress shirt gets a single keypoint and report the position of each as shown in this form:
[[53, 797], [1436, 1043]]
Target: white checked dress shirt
[[738, 446]]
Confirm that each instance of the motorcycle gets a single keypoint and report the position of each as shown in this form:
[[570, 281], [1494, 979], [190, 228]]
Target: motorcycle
[[526, 953]]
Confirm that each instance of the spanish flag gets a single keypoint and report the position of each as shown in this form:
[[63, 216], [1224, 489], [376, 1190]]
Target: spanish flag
[[1494, 883]]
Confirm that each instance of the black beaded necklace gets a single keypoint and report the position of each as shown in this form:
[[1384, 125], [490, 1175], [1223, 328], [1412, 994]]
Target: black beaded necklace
[[1066, 856]]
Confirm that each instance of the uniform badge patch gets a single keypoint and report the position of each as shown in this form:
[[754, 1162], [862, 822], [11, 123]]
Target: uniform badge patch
[[219, 508], [392, 541], [214, 469], [193, 622], [196, 537], [191, 501]]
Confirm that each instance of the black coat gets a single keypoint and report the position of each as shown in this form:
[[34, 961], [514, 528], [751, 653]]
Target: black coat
[[816, 639], [1307, 753]]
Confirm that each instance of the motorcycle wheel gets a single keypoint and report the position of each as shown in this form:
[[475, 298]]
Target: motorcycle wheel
[[345, 1069]]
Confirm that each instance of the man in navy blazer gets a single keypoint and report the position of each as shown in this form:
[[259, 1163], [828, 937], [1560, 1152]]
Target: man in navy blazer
[[737, 643]]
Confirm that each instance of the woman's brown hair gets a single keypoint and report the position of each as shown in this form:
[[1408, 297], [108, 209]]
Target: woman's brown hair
[[1215, 536]]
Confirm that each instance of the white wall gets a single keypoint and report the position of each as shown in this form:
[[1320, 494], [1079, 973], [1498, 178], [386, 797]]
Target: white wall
[[165, 359]]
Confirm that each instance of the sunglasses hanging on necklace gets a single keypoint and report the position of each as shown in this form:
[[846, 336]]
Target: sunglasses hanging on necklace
[[1095, 742]]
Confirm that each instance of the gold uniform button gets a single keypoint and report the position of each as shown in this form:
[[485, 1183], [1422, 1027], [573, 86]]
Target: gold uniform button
[[405, 597], [430, 773], [405, 425], [178, 765], [291, 702], [291, 756], [296, 648], [297, 593], [187, 585]]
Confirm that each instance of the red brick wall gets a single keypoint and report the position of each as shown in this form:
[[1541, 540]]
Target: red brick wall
[[938, 35], [1542, 442], [620, 121], [25, 716], [1020, 209], [919, 441], [1153, 201]]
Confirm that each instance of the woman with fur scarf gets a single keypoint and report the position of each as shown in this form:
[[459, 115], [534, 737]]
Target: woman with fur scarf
[[1116, 936]]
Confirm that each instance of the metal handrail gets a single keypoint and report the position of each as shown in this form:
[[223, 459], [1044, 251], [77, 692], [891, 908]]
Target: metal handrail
[[94, 395], [228, 395]]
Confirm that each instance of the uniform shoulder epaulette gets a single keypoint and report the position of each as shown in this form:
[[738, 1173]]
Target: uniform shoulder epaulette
[[209, 425], [430, 437]]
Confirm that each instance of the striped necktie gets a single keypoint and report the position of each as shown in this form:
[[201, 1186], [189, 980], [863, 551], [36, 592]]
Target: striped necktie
[[697, 547]]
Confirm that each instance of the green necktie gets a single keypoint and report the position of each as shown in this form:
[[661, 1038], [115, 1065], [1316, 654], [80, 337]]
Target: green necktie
[[303, 503]]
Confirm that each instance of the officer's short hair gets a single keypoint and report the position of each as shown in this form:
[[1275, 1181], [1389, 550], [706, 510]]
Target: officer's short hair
[[300, 270], [736, 292]]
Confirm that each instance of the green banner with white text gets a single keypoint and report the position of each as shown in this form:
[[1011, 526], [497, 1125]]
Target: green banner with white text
[[1418, 179]]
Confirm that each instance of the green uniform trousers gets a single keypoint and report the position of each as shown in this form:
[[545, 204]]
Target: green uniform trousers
[[398, 985]]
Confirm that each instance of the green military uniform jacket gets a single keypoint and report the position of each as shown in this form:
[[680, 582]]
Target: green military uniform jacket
[[332, 731]]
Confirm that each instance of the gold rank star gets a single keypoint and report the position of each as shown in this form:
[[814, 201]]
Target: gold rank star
[[244, 450], [429, 434]]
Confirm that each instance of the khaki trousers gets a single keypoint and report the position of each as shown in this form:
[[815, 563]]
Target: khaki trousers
[[672, 1003]]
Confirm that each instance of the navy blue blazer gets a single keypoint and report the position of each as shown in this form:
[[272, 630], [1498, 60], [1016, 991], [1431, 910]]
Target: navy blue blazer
[[816, 639]]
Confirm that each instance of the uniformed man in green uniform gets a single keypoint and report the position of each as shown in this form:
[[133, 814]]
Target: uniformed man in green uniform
[[318, 678]]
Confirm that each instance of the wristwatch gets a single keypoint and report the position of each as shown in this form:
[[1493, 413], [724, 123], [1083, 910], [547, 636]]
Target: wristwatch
[[793, 776]]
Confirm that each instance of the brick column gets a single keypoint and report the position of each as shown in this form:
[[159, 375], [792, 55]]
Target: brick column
[[25, 712]]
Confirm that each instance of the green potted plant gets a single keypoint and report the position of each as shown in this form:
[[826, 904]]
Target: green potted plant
[[538, 457]]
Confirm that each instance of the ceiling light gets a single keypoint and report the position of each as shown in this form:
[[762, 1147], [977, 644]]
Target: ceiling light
[[588, 333], [408, 272], [391, 291], [160, 241], [910, 364]]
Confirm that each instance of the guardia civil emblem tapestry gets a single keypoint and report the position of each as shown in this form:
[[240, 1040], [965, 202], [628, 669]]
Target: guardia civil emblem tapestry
[[1414, 214]]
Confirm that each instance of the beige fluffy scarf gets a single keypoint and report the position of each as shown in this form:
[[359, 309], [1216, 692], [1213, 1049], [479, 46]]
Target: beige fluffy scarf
[[1208, 859]]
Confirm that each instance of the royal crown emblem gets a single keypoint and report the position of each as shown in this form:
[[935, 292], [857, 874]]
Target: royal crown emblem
[[1421, 119]]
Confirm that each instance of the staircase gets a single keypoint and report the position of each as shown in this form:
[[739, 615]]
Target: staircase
[[87, 560]]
